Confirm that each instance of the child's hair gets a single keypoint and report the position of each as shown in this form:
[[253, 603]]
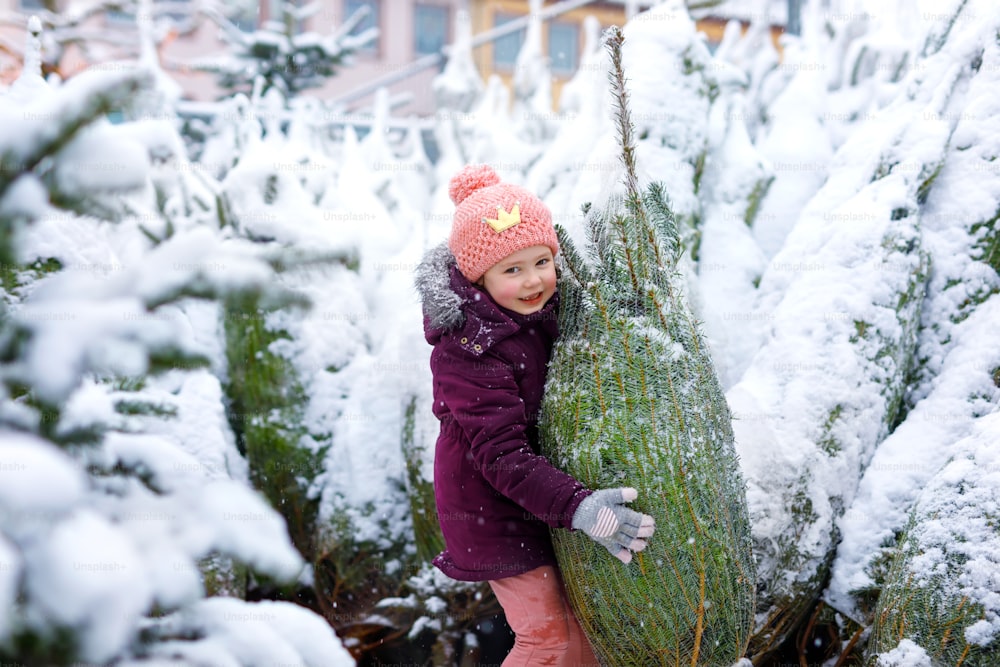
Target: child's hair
[[493, 220]]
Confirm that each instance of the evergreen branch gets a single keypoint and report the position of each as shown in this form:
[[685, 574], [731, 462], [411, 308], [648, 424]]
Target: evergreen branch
[[642, 238], [72, 117], [663, 221], [287, 259], [597, 245], [614, 42], [201, 286], [572, 260], [574, 278]]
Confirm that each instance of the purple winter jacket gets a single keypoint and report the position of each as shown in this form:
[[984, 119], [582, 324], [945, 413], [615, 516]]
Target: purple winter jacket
[[496, 496]]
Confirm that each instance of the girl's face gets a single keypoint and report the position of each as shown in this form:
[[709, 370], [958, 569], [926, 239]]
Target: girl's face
[[523, 281]]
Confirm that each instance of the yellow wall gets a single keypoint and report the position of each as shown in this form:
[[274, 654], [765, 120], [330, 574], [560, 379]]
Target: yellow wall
[[714, 28], [482, 13]]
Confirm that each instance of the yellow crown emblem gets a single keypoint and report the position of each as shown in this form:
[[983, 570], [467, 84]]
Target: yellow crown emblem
[[504, 220]]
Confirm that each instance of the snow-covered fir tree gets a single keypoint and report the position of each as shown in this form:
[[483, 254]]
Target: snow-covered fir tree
[[125, 500]]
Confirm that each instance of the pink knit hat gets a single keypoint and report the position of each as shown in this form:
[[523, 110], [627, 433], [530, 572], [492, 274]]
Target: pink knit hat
[[493, 220]]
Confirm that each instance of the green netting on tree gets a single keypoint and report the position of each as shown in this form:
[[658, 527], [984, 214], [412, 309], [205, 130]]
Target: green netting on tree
[[633, 399]]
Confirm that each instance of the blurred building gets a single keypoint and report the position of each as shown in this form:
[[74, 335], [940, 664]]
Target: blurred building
[[562, 36], [408, 31]]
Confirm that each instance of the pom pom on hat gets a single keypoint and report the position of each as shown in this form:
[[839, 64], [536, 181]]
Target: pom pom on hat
[[471, 178], [493, 220]]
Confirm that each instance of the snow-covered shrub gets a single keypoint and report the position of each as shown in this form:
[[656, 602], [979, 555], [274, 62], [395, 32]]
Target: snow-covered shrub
[[943, 589], [670, 109], [730, 262], [416, 446], [300, 384], [955, 379], [282, 56], [829, 383], [120, 486], [556, 175]]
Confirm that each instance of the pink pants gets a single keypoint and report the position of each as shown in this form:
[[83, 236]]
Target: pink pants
[[545, 630]]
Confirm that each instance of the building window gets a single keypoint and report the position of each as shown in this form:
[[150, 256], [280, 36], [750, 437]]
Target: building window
[[564, 46], [506, 48], [369, 21], [118, 16], [430, 25]]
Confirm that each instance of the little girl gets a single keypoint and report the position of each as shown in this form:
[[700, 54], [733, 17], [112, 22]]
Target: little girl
[[490, 307]]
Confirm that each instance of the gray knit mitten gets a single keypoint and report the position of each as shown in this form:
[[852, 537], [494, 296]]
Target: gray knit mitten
[[603, 516]]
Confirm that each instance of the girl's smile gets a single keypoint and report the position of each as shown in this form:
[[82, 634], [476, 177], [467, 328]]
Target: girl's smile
[[523, 281], [533, 299]]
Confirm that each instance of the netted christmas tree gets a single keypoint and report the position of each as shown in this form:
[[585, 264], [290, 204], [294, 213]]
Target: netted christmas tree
[[941, 591], [633, 400]]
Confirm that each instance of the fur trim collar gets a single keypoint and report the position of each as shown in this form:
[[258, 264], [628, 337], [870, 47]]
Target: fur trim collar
[[441, 305]]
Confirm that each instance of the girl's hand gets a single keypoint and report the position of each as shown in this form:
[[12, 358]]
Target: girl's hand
[[603, 517]]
